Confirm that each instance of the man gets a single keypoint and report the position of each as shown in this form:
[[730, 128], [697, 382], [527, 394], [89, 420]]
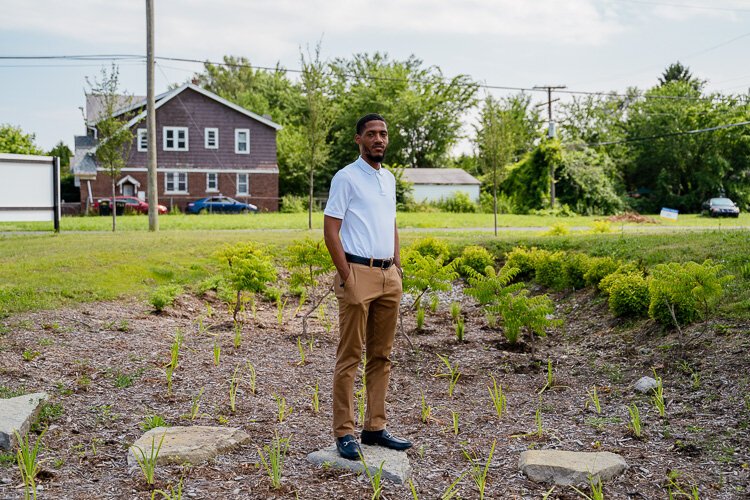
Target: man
[[360, 233]]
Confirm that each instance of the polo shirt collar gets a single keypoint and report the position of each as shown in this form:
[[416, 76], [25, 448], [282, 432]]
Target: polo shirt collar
[[366, 168]]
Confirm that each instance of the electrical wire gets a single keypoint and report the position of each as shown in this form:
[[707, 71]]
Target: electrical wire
[[671, 134]]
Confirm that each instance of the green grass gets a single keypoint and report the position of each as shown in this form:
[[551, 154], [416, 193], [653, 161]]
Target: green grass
[[299, 221], [45, 271]]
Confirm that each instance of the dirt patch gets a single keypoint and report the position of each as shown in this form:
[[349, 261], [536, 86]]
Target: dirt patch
[[103, 365], [632, 218]]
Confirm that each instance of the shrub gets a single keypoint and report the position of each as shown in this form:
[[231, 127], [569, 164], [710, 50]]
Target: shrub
[[459, 202], [524, 260], [164, 296], [249, 268], [430, 247], [691, 290], [291, 204], [628, 294], [606, 282], [599, 268], [487, 204], [575, 267], [476, 258], [550, 270], [558, 229], [601, 226]]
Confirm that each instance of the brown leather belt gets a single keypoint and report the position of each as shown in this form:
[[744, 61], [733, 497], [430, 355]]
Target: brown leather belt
[[365, 261]]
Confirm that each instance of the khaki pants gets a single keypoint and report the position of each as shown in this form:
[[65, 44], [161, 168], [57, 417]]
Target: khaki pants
[[368, 314]]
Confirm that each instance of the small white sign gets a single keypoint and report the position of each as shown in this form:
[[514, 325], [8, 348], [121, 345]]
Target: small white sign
[[669, 213]]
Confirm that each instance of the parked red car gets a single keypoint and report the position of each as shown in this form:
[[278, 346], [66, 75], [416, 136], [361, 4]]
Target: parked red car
[[127, 202]]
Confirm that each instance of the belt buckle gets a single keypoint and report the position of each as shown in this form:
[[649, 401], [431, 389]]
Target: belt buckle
[[384, 262]]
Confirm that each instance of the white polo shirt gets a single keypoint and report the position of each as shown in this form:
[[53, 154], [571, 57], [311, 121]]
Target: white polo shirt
[[365, 200]]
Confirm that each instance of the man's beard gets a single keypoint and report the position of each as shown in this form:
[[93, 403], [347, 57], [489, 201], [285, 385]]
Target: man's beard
[[377, 158]]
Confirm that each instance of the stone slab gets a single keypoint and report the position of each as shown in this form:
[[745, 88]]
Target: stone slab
[[570, 467], [192, 444], [16, 415], [396, 465], [645, 384]]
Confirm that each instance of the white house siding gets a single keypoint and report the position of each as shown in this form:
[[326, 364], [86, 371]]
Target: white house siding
[[434, 192]]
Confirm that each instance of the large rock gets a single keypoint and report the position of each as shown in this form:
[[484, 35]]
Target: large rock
[[16, 415], [396, 466], [193, 444], [570, 467]]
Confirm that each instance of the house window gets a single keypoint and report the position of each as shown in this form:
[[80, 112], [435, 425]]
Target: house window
[[212, 181], [242, 141], [175, 183], [175, 139], [142, 139], [212, 138], [243, 184]]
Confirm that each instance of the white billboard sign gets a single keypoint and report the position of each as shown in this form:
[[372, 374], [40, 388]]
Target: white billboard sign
[[29, 188]]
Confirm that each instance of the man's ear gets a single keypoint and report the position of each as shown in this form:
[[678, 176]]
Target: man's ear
[[357, 138]]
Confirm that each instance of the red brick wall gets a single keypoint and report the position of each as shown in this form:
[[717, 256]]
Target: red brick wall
[[196, 111]]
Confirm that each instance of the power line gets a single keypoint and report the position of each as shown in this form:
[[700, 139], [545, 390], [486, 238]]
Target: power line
[[116, 57], [685, 6], [671, 134]]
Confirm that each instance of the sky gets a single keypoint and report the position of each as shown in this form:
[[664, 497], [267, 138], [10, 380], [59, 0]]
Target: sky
[[587, 45]]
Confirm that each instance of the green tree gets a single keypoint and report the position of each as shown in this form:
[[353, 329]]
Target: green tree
[[527, 182], [317, 118], [68, 190], [676, 72], [14, 140], [422, 107], [587, 182], [115, 137]]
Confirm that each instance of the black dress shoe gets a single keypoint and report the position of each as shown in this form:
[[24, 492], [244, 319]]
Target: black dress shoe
[[348, 447], [385, 439]]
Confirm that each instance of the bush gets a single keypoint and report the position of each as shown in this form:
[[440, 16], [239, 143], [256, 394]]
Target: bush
[[487, 205], [164, 296], [550, 270], [430, 247], [291, 204], [460, 202], [599, 268], [476, 258], [628, 294], [558, 229], [575, 267], [691, 290], [524, 260], [606, 282], [601, 226]]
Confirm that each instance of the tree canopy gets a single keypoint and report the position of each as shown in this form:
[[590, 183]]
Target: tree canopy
[[14, 140]]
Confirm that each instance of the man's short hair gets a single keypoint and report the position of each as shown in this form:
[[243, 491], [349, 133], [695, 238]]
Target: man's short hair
[[368, 118]]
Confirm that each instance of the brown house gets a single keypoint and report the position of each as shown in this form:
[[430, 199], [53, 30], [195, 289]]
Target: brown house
[[205, 144]]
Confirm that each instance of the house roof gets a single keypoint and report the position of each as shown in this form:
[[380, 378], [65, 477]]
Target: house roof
[[95, 106], [134, 103], [451, 176]]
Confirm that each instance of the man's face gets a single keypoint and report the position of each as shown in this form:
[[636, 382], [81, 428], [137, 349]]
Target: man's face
[[373, 141]]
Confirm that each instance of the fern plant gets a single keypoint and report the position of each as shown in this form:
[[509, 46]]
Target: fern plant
[[249, 268]]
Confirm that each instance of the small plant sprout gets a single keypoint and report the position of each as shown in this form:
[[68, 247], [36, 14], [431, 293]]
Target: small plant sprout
[[497, 396], [658, 397], [280, 309], [434, 303], [282, 409], [460, 328], [27, 457], [455, 310], [451, 492], [376, 478], [195, 405], [301, 350], [413, 490], [453, 374], [174, 359], [316, 397], [201, 326], [538, 420], [478, 471], [209, 311], [491, 319], [147, 463], [234, 384], [311, 343], [361, 402], [595, 486], [152, 422], [420, 318], [171, 494], [272, 458], [217, 352], [550, 377], [252, 376], [237, 334], [454, 419], [426, 413], [635, 421], [594, 399]]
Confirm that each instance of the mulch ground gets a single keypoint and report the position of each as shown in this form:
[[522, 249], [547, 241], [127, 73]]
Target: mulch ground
[[103, 366]]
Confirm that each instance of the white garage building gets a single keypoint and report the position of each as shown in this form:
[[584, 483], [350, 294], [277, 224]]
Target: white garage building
[[433, 184]]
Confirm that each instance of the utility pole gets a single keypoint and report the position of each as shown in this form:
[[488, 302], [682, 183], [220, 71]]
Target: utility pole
[[551, 134], [152, 190]]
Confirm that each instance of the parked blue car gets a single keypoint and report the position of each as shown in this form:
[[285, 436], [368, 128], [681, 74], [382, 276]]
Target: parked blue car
[[219, 205]]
